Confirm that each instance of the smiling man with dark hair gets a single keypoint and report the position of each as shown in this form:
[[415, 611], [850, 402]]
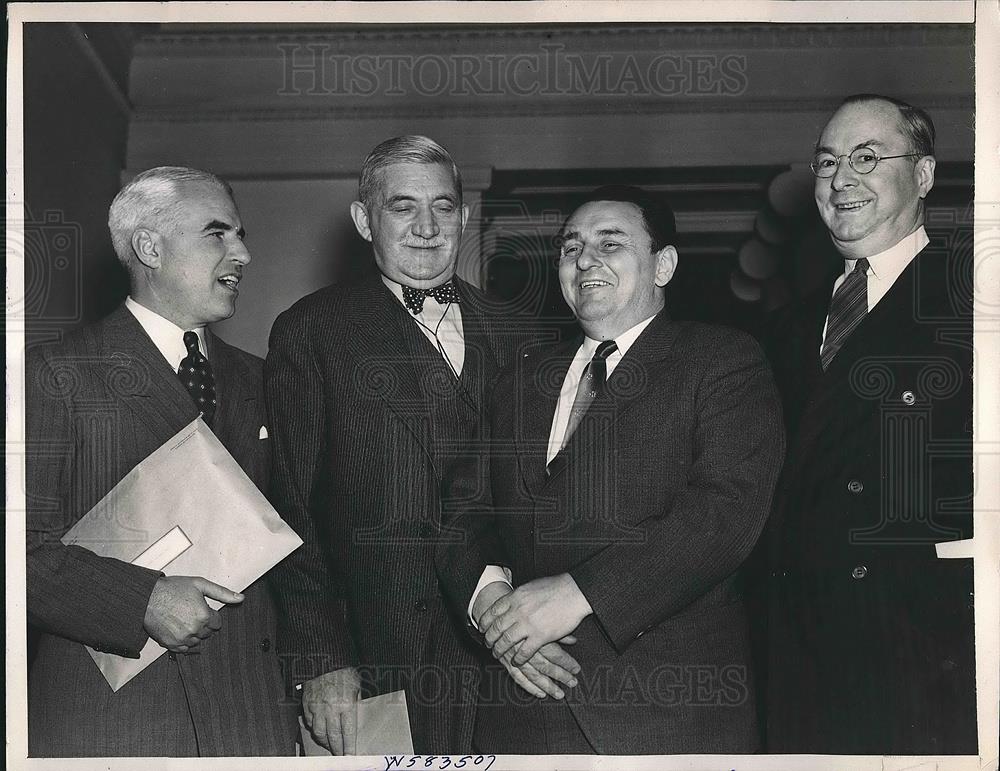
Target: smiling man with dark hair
[[631, 472]]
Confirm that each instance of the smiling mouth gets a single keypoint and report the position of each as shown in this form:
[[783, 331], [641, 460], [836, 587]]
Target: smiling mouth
[[426, 245], [852, 206], [231, 281], [593, 284]]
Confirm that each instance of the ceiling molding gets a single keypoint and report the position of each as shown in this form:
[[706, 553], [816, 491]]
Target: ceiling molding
[[220, 40], [526, 106]]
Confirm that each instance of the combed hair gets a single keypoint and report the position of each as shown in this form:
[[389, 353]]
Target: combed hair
[[657, 215], [411, 148], [916, 124], [147, 201]]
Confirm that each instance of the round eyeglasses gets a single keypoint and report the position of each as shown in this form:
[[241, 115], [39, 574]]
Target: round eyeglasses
[[863, 160]]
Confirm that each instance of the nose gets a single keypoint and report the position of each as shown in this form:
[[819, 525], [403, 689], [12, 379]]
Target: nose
[[239, 252], [426, 224], [589, 257], [845, 176]]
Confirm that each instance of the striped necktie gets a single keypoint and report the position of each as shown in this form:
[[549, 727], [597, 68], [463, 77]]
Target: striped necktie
[[848, 308]]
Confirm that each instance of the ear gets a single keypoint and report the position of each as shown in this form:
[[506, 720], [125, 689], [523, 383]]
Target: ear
[[465, 216], [924, 171], [147, 248], [666, 264], [360, 216]]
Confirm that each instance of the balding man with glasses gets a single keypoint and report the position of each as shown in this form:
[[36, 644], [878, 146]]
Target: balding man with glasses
[[870, 634]]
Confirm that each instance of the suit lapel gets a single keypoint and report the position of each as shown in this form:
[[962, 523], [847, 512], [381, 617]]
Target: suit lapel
[[877, 335], [159, 399], [234, 393], [383, 363], [535, 404]]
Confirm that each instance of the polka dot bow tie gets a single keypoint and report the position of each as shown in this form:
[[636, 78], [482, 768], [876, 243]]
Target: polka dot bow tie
[[444, 294], [196, 374]]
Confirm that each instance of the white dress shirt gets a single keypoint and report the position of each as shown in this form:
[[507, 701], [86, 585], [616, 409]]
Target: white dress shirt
[[883, 269], [166, 336], [441, 324], [567, 395]]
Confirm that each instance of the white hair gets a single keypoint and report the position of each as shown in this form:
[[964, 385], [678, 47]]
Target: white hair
[[148, 200]]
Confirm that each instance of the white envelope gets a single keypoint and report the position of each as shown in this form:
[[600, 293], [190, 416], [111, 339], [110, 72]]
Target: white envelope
[[187, 509], [383, 728]]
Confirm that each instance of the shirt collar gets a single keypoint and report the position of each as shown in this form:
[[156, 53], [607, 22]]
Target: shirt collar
[[887, 265], [166, 336], [624, 340]]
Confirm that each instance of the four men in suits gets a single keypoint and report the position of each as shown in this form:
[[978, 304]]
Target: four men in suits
[[628, 476], [871, 634], [97, 404], [371, 389], [587, 509]]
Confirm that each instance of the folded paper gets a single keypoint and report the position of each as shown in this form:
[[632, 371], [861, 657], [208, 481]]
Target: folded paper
[[383, 728], [188, 509]]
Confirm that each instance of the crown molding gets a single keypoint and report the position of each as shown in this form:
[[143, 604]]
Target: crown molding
[[525, 106], [220, 40]]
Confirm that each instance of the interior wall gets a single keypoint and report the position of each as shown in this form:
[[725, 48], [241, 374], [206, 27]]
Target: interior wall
[[291, 114], [75, 124]]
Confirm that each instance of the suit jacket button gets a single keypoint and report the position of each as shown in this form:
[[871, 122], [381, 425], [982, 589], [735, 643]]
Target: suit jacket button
[[859, 572], [265, 645], [855, 486], [426, 530], [420, 606], [171, 655], [908, 398]]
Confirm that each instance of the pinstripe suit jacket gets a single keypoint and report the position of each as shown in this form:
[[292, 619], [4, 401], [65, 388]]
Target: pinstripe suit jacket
[[97, 404], [359, 467], [652, 507]]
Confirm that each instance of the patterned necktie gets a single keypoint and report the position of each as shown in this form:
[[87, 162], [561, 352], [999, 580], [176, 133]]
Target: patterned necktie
[[444, 294], [848, 308], [196, 374], [591, 386]]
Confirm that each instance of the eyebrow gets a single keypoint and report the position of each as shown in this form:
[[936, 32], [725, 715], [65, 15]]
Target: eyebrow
[[872, 143], [402, 197], [575, 234], [220, 225]]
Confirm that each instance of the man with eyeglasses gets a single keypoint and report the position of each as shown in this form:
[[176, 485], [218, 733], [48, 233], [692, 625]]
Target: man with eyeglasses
[[870, 638]]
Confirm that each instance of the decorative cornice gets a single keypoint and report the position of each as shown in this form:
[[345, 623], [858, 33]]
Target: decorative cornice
[[521, 107], [218, 40]]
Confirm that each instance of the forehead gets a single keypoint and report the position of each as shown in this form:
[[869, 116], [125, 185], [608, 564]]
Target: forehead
[[598, 216], [863, 122], [204, 201], [416, 180]]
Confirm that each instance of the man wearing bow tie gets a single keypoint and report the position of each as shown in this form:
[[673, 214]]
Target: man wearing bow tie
[[630, 475], [372, 388], [98, 403]]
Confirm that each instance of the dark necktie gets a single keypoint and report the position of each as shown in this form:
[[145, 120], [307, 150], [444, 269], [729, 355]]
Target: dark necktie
[[591, 386], [848, 308], [196, 374], [444, 294]]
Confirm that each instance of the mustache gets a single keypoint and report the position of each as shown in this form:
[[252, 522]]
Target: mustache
[[424, 243]]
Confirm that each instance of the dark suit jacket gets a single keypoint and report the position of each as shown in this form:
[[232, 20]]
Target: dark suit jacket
[[97, 404], [651, 507], [360, 458], [870, 645]]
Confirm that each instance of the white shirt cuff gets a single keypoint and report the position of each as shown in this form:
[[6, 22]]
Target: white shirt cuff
[[491, 574]]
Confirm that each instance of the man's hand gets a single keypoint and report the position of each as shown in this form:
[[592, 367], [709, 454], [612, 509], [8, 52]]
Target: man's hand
[[541, 611], [540, 674], [330, 709], [178, 617]]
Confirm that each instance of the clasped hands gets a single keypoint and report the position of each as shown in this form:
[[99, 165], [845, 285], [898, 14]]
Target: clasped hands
[[527, 627]]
